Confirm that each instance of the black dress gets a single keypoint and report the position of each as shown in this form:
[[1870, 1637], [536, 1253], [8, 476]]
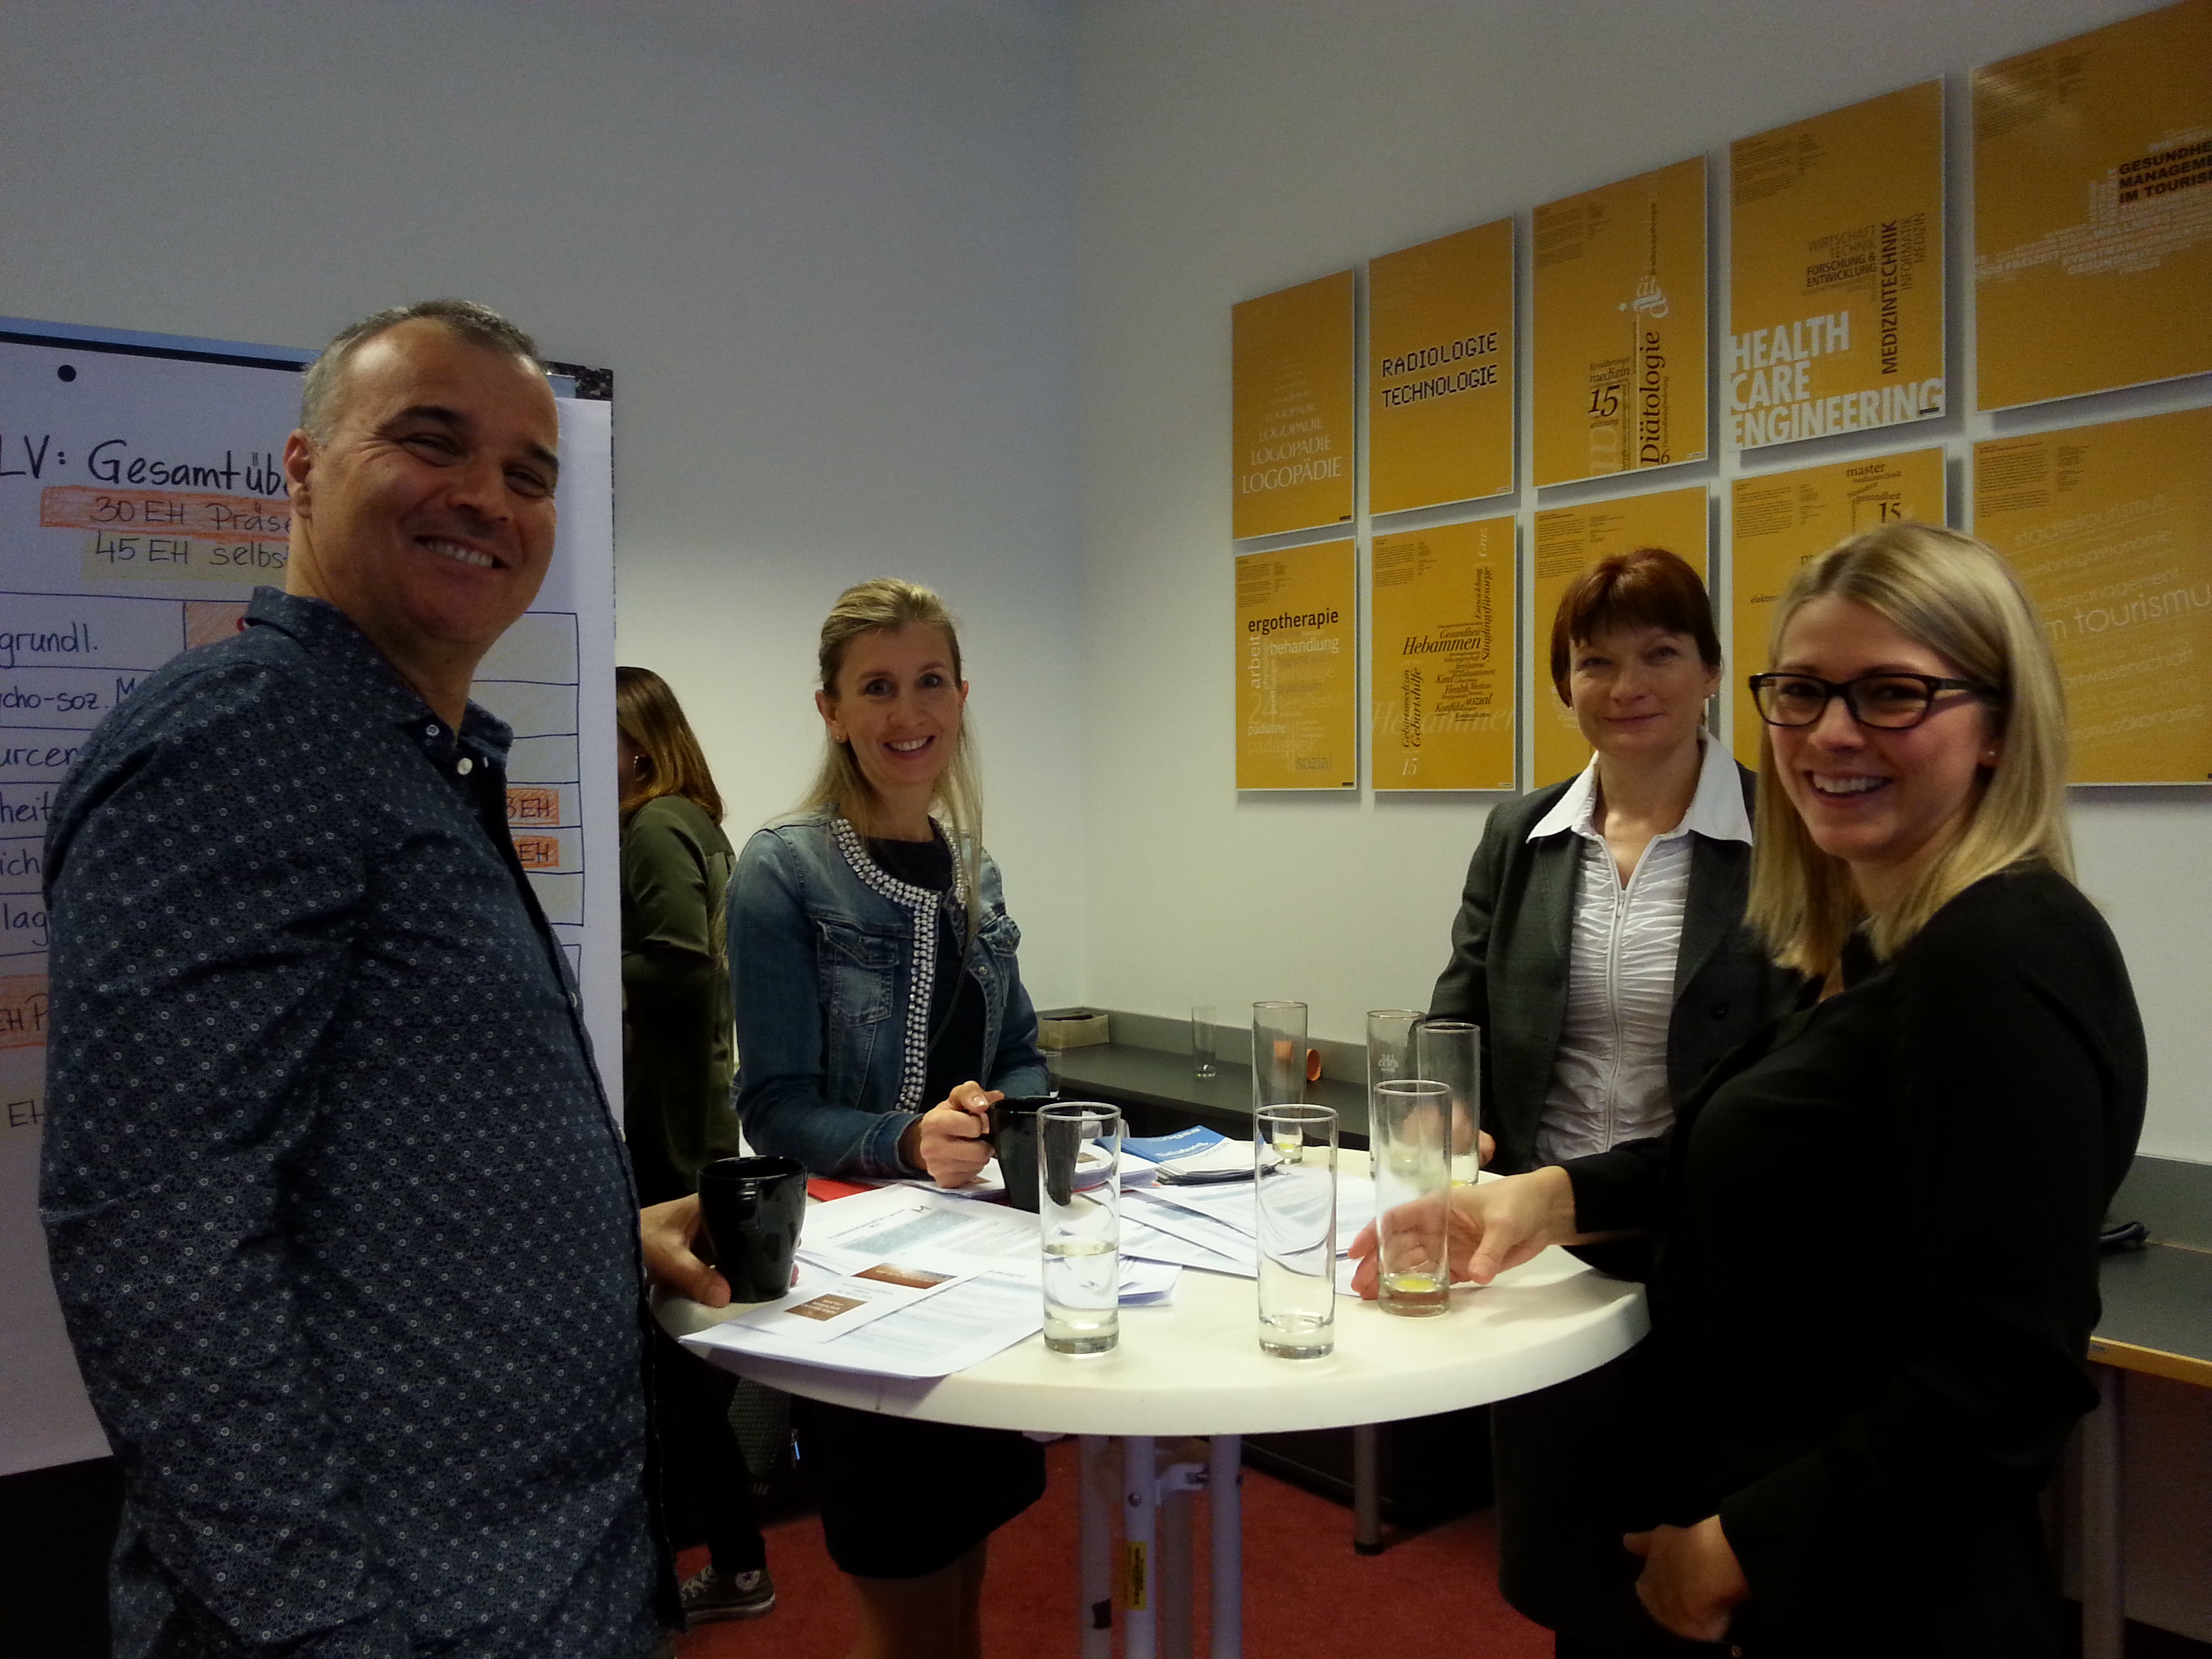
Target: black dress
[[899, 1498], [1876, 1276]]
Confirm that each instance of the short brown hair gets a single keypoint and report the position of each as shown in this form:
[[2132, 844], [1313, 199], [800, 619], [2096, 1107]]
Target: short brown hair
[[647, 713], [478, 325], [1650, 588]]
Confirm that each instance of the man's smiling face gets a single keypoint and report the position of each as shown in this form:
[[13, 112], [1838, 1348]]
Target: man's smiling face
[[426, 510]]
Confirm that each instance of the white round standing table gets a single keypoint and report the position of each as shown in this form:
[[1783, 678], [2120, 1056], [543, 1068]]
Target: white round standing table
[[1195, 1369]]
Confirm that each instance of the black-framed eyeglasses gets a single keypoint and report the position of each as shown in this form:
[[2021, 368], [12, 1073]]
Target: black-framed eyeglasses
[[1892, 702]]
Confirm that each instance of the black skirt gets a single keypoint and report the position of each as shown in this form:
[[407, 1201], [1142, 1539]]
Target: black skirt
[[901, 1498]]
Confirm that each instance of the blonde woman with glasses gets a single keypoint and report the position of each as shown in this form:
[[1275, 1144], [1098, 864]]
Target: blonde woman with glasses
[[1876, 1223]]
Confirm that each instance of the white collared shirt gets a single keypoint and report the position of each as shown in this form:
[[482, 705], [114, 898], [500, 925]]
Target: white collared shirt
[[1609, 1076]]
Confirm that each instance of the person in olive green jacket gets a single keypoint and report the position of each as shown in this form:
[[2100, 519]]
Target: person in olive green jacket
[[678, 1055]]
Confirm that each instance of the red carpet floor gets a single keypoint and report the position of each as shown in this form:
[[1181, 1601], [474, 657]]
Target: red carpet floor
[[1307, 1595]]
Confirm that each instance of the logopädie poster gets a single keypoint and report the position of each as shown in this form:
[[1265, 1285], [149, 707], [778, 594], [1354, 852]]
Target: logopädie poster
[[1836, 272], [1292, 408]]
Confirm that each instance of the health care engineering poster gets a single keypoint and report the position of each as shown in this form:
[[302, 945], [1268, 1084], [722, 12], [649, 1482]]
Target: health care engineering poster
[[1567, 538], [1619, 324], [1781, 519], [1440, 371], [2109, 528], [1440, 658], [1292, 417], [1836, 272], [1298, 721], [2093, 211]]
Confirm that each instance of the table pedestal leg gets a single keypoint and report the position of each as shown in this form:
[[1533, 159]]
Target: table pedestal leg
[[1173, 1574], [1095, 1618], [2104, 1612], [1225, 1480], [1141, 1481], [1367, 1489]]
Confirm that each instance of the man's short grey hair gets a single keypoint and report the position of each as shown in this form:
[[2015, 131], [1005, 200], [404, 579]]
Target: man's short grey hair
[[478, 325]]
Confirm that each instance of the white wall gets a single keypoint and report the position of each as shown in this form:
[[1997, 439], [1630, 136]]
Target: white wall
[[825, 248], [1227, 151]]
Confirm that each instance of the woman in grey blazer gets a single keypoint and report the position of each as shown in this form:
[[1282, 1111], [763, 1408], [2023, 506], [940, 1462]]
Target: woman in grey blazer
[[1600, 946]]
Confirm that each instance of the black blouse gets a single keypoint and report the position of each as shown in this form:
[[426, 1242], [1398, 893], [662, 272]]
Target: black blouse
[[1876, 1275], [956, 1001]]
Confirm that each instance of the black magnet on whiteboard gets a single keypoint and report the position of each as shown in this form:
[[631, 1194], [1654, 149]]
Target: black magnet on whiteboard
[[66, 372]]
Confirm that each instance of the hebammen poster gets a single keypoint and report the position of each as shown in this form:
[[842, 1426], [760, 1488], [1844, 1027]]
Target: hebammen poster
[[1440, 658]]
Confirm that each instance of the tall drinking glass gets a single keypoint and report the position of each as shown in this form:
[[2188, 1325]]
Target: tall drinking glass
[[1294, 1149], [1278, 1054], [1449, 1052], [1079, 1215], [1202, 1040], [1409, 1139], [1390, 1044]]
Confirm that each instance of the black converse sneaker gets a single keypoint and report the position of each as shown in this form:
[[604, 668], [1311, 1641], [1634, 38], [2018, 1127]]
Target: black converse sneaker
[[708, 1594]]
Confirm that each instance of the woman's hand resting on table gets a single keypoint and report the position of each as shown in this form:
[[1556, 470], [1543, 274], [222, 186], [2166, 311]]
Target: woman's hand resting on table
[[1692, 1579], [1491, 1227], [946, 1142]]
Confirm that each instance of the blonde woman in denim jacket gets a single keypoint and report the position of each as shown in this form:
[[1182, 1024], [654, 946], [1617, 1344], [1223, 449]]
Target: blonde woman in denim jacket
[[880, 1013]]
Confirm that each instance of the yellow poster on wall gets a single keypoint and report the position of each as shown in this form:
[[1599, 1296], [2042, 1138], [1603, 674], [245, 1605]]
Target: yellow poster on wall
[[1297, 720], [1440, 658], [1567, 538], [1836, 272], [1440, 371], [2093, 211], [1293, 408], [1620, 322], [1780, 520], [2110, 530]]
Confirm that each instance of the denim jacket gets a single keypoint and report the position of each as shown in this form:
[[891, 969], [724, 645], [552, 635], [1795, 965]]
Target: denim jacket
[[831, 963]]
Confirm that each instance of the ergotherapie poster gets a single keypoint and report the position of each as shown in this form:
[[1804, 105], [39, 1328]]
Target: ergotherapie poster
[[1836, 272], [1297, 669]]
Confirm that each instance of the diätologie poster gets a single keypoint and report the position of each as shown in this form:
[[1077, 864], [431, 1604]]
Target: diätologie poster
[[1836, 272], [1440, 371], [1620, 322], [1292, 408], [1781, 519], [1567, 538], [2110, 530], [1440, 656], [1297, 720], [2093, 211]]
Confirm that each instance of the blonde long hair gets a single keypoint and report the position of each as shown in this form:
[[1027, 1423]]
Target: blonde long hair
[[885, 605], [647, 713], [1957, 597]]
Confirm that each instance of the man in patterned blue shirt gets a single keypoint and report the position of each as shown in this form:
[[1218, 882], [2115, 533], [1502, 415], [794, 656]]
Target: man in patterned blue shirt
[[342, 1230]]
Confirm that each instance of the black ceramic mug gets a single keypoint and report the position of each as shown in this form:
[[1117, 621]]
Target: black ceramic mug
[[752, 1207], [1012, 1135]]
